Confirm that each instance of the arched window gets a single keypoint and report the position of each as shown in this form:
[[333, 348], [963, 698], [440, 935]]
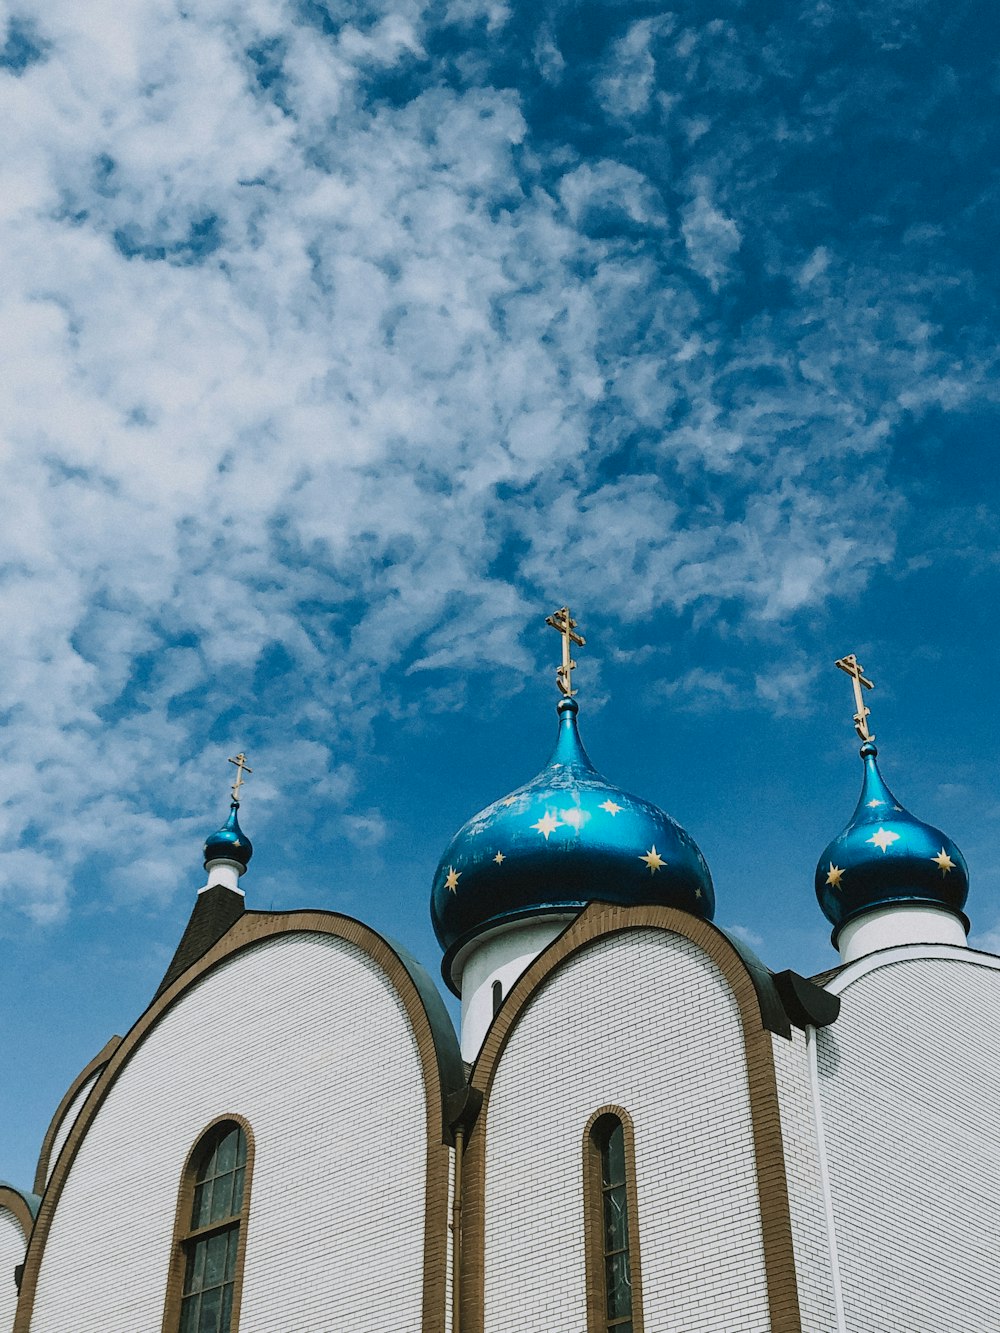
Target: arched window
[[203, 1292], [497, 997], [613, 1295]]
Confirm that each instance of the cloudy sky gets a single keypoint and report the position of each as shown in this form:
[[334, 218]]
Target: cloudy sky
[[342, 340]]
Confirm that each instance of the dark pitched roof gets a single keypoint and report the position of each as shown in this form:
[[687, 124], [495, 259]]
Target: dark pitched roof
[[216, 910]]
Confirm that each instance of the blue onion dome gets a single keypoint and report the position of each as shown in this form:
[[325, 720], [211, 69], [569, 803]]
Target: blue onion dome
[[885, 857], [230, 843], [562, 840]]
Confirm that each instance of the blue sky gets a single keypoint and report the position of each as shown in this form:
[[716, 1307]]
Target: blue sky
[[342, 342]]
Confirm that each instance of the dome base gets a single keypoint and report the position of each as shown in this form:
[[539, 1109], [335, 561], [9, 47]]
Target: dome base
[[902, 923], [492, 964]]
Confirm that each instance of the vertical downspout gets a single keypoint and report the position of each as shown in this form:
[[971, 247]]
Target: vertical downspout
[[824, 1173], [456, 1234]]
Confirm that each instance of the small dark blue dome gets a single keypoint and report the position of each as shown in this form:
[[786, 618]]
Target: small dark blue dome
[[886, 857], [562, 840], [230, 843]]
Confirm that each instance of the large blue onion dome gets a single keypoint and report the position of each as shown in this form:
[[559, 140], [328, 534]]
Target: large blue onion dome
[[562, 840], [230, 843], [886, 858]]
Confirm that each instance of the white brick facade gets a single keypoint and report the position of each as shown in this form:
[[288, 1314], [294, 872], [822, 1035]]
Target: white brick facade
[[909, 1079], [889, 1129], [803, 1168], [11, 1254], [644, 1020], [305, 1037]]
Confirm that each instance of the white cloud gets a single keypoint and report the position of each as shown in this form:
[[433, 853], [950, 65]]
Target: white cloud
[[712, 239], [311, 390], [748, 936], [627, 86]]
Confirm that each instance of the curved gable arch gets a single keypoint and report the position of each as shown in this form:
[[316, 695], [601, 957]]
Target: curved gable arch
[[88, 1074], [22, 1206], [436, 1045], [761, 1014]]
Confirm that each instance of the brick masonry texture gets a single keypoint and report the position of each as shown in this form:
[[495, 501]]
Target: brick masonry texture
[[11, 1254], [910, 1086], [305, 1037], [813, 1269], [644, 1020]]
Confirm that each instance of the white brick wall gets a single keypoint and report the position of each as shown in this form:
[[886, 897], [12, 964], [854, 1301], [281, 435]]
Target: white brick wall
[[304, 1036], [11, 1254], [910, 1086], [66, 1124], [647, 1021], [810, 1234]]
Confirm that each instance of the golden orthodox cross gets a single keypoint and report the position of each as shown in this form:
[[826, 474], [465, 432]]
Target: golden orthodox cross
[[565, 624], [241, 767], [856, 672]]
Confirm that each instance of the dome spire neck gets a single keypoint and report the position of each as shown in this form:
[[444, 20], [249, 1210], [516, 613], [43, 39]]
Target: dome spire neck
[[875, 794], [569, 751]]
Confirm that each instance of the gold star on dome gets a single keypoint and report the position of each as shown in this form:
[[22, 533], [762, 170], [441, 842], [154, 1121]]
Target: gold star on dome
[[499, 858], [546, 824], [884, 838], [834, 876], [873, 803], [654, 860], [611, 808], [697, 893], [508, 800], [944, 861], [451, 883]]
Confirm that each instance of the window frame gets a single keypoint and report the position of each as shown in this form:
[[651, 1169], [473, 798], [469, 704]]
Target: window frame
[[185, 1233], [593, 1219]]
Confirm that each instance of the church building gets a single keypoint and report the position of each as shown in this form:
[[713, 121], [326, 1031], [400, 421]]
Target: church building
[[639, 1129]]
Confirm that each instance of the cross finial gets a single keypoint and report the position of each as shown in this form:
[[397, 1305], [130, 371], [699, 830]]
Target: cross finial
[[566, 625], [855, 670], [241, 767]]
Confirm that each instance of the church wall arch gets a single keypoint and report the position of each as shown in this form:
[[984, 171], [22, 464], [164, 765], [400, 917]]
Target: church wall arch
[[311, 1028], [652, 1010]]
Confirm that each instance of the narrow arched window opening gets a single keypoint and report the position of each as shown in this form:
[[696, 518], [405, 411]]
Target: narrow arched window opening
[[497, 997], [212, 1210], [612, 1252]]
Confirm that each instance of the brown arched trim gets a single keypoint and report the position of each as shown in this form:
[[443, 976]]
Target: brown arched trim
[[593, 1221], [182, 1224], [253, 928], [15, 1202], [602, 919], [86, 1073]]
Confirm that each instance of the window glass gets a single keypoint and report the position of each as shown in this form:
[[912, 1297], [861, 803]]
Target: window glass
[[213, 1239], [609, 1142]]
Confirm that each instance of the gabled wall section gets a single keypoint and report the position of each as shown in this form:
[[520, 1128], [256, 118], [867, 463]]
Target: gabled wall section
[[654, 1011], [17, 1217], [313, 1029], [909, 1081]]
